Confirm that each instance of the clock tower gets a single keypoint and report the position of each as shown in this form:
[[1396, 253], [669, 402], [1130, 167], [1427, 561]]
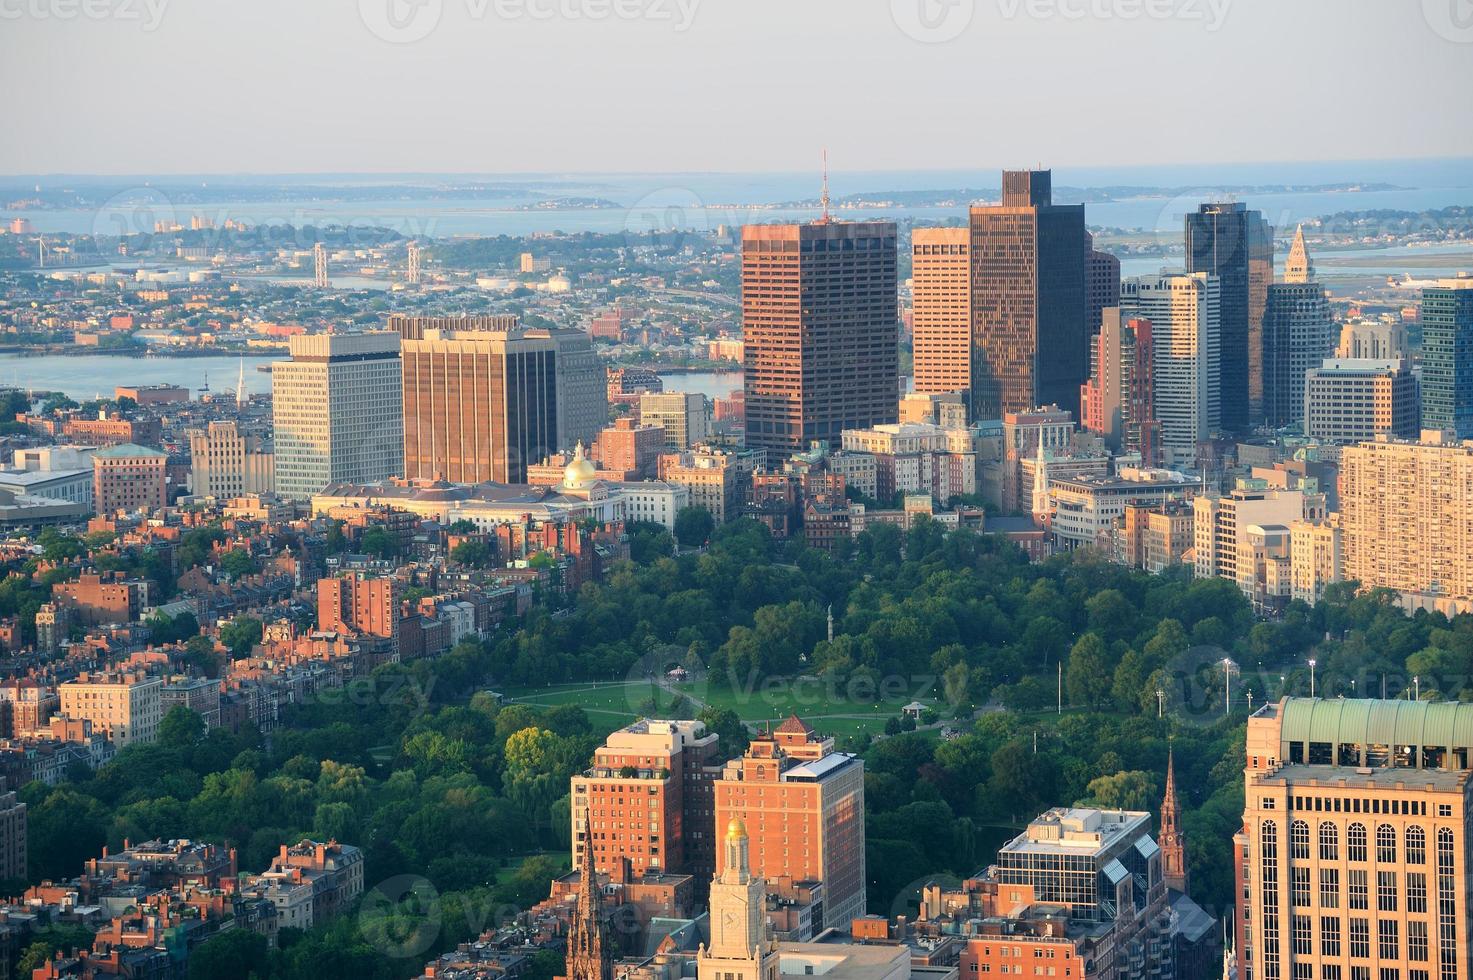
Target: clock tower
[[741, 947]]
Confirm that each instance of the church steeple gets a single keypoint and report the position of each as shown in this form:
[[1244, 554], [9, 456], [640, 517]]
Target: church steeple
[[590, 957], [1298, 267], [1173, 842]]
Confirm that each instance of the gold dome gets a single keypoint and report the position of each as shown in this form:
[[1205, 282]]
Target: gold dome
[[580, 471], [736, 830]]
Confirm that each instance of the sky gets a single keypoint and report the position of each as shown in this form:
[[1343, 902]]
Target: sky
[[550, 86]]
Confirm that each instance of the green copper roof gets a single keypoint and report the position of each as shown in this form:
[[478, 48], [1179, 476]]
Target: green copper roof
[[1365, 721]]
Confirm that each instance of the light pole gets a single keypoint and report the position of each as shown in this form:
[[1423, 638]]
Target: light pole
[[1227, 686], [1417, 686], [1311, 677], [1160, 703]]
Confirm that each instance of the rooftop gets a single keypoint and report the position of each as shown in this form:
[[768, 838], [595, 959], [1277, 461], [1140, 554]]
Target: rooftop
[[129, 450], [1379, 779], [1371, 721], [1078, 830]]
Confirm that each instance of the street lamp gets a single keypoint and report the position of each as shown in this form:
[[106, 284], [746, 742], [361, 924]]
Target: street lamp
[[1311, 677], [1160, 703], [1227, 685]]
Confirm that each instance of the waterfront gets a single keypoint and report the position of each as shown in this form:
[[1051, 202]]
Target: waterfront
[[84, 376]]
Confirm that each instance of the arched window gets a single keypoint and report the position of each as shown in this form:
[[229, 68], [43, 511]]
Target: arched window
[[1416, 845], [1355, 842], [1385, 844], [1299, 840], [1329, 842]]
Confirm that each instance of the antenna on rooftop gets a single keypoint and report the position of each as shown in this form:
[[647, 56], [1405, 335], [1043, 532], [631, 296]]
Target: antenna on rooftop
[[824, 196]]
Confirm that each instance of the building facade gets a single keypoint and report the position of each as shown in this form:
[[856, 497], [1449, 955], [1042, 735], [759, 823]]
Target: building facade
[[1185, 338], [126, 707], [941, 305], [1218, 243], [337, 412], [1030, 335], [224, 463], [1298, 333], [129, 478], [820, 329], [684, 416], [1349, 401], [1353, 857], [1447, 356]]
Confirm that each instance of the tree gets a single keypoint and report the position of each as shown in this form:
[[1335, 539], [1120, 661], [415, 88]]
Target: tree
[[181, 728], [731, 733], [1133, 790], [474, 554], [235, 954], [238, 563], [1088, 676], [379, 543], [693, 526], [240, 635]]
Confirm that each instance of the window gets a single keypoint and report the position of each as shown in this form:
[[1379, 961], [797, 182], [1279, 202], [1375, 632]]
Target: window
[[1360, 938], [1329, 842], [1329, 935], [1299, 887], [1416, 845], [1387, 943], [1330, 888], [1416, 891], [1299, 840], [1385, 844], [1357, 888], [1355, 842], [1417, 941], [1386, 891]]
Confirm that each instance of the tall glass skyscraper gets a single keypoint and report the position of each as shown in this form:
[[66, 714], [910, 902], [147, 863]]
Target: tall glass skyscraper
[[1220, 241], [1447, 356]]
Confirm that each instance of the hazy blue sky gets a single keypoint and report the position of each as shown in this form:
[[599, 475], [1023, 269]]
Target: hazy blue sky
[[159, 86]]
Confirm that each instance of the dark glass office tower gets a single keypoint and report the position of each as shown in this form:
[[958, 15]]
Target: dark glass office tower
[[1218, 238], [1260, 277], [1029, 300], [1447, 356]]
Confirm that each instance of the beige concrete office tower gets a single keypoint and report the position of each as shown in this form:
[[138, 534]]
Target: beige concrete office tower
[[1353, 857], [412, 326], [479, 405], [1354, 399], [1316, 557], [1183, 310], [1298, 333], [224, 463], [582, 389], [1378, 340], [337, 412], [1404, 508], [820, 331], [685, 416], [941, 298]]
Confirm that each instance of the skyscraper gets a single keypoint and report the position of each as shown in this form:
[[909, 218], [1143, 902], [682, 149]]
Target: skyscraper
[[1260, 277], [1101, 283], [804, 803], [1118, 401], [337, 412], [820, 330], [1298, 334], [941, 297], [482, 404], [1030, 335], [1353, 857], [1183, 312], [1219, 241], [1447, 356]]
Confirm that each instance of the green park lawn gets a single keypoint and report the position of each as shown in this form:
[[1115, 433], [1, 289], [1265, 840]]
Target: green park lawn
[[829, 711]]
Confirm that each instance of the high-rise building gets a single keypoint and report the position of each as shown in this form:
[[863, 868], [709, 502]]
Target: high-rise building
[[1447, 356], [1183, 313], [742, 947], [803, 806], [631, 448], [412, 326], [361, 605], [479, 405], [1243, 536], [685, 416], [1352, 400], [820, 330], [319, 266], [1298, 333], [1101, 284], [225, 463], [126, 706], [646, 800], [1316, 558], [1030, 332], [1118, 401], [1218, 239], [941, 297], [1404, 510], [1378, 340], [1260, 277], [337, 409], [12, 834], [1353, 857], [130, 478]]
